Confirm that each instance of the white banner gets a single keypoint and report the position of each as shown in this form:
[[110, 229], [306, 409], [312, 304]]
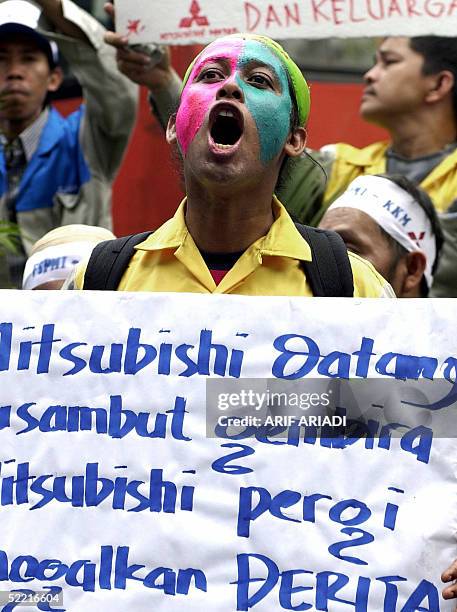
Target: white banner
[[182, 22], [112, 494]]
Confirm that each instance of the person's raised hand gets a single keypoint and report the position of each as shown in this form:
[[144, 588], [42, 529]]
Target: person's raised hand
[[155, 72]]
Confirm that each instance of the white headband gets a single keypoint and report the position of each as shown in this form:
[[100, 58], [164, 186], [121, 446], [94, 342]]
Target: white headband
[[396, 211], [54, 263]]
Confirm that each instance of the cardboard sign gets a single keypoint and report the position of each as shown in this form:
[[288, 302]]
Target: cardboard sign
[[114, 497], [183, 22]]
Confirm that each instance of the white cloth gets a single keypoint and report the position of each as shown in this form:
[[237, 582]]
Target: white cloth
[[54, 263], [396, 211]]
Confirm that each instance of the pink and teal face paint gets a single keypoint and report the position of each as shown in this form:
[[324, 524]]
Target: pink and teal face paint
[[197, 97], [270, 110]]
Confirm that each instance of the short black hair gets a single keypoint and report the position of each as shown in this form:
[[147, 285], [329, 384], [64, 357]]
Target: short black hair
[[439, 53], [425, 202]]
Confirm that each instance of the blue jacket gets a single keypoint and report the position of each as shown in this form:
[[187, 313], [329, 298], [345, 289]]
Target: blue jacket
[[69, 177], [57, 166]]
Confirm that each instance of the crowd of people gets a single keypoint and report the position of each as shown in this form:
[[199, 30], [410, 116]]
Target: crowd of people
[[59, 172], [237, 123]]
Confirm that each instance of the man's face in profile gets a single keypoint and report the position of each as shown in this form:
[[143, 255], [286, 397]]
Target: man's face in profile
[[395, 85]]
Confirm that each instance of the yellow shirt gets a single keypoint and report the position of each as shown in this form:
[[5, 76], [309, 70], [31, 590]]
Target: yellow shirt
[[351, 162], [169, 261]]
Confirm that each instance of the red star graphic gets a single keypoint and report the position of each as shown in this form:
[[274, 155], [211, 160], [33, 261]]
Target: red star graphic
[[134, 26]]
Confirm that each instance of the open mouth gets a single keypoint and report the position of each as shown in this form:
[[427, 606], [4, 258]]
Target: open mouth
[[226, 126]]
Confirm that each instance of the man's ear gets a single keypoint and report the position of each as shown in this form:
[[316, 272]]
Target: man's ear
[[171, 130], [442, 84], [296, 142], [55, 79], [415, 265]]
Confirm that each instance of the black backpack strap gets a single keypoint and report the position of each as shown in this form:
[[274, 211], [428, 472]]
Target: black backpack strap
[[329, 273], [109, 260]]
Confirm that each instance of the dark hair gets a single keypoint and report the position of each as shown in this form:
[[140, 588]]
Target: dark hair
[[440, 53], [425, 202]]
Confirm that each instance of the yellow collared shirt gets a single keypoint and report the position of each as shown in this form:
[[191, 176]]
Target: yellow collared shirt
[[351, 162], [169, 261]]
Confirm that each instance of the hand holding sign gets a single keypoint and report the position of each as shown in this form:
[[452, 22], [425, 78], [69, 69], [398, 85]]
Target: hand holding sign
[[142, 67], [185, 22], [450, 592]]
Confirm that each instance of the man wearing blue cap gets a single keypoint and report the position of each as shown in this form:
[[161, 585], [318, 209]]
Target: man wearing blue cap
[[56, 171]]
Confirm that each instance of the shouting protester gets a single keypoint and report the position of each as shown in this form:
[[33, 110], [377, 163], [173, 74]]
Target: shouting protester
[[412, 92], [241, 115]]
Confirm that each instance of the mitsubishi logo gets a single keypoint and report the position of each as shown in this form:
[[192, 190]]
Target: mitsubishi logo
[[200, 20]]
